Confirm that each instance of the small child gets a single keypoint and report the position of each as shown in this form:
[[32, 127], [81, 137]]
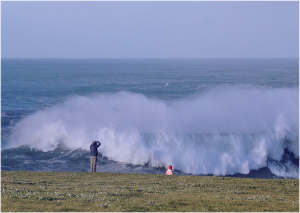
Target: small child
[[169, 171]]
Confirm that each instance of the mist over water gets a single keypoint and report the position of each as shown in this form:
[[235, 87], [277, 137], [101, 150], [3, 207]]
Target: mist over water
[[222, 131]]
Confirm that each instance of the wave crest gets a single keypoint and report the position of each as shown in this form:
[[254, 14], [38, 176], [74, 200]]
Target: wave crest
[[222, 131]]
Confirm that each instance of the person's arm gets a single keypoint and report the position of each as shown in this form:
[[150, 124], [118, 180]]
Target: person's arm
[[98, 143]]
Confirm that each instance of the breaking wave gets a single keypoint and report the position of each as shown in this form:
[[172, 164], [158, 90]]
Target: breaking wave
[[220, 132]]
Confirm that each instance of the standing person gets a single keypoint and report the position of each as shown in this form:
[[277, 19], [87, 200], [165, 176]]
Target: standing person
[[169, 171], [94, 154]]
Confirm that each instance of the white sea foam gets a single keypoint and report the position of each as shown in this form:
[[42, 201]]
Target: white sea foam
[[222, 131], [287, 170]]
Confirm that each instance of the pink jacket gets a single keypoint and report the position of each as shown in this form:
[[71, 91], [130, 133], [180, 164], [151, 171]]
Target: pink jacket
[[169, 172]]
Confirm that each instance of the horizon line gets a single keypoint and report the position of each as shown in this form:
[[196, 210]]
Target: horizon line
[[155, 58]]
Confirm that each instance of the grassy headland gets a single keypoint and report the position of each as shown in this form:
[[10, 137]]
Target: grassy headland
[[84, 192]]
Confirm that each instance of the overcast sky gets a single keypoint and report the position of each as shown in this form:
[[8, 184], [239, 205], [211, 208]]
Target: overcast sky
[[155, 29]]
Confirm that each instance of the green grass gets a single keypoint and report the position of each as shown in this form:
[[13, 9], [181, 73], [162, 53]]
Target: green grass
[[84, 192]]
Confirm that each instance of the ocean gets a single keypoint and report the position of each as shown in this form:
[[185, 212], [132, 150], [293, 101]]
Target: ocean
[[223, 117]]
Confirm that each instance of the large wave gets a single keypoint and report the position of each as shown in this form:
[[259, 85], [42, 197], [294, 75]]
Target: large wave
[[221, 132]]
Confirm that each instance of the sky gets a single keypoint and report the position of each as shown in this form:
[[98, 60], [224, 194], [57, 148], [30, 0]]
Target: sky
[[149, 29]]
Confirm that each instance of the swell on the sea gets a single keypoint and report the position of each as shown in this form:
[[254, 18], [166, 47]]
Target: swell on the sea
[[224, 131]]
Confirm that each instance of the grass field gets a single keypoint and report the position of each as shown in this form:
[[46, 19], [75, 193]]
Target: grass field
[[84, 192]]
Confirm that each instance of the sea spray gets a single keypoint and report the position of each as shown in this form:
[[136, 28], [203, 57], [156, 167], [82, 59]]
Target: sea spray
[[222, 131]]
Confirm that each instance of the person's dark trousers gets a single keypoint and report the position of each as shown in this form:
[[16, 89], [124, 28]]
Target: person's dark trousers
[[93, 163]]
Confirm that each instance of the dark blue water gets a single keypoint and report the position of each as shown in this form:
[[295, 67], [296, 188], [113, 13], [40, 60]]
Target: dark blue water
[[203, 116]]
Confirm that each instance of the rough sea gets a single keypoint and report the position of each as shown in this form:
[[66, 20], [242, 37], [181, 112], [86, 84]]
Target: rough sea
[[223, 117]]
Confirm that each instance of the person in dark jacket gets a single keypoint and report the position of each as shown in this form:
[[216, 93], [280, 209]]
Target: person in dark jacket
[[94, 153]]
